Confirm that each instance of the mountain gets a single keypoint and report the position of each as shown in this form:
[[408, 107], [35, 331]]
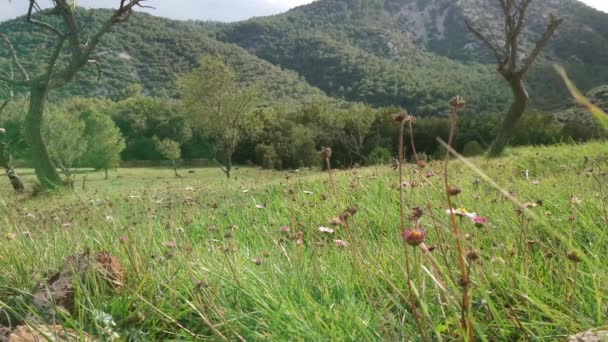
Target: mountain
[[152, 52], [411, 53]]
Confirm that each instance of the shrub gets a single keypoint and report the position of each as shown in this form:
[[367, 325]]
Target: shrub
[[472, 148], [379, 156], [267, 156]]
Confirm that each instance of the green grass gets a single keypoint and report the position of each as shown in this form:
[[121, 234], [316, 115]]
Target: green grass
[[208, 287]]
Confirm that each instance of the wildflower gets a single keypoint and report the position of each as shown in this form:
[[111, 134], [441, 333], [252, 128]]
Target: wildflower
[[308, 192], [10, 236], [461, 212], [414, 236], [326, 230], [257, 261], [574, 256], [2, 131], [259, 206], [123, 239], [340, 243], [109, 218], [66, 225], [479, 221], [284, 229]]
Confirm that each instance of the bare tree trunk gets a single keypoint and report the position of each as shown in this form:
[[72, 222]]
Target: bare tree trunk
[[106, 172], [515, 113], [45, 169], [228, 169]]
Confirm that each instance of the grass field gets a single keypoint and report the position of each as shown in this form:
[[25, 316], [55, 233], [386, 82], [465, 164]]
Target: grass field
[[244, 259]]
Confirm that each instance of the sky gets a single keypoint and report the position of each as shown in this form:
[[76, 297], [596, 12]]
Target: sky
[[218, 10]]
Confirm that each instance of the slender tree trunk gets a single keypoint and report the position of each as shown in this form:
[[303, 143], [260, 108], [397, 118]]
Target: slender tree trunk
[[515, 113], [10, 171], [106, 172], [45, 169], [228, 165]]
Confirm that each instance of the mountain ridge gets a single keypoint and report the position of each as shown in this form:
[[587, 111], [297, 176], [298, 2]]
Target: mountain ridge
[[381, 52]]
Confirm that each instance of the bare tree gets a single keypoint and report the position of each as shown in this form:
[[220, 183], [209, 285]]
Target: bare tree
[[507, 50], [6, 158], [70, 54]]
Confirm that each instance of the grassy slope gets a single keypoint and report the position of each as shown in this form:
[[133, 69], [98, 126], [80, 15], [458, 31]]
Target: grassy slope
[[320, 291]]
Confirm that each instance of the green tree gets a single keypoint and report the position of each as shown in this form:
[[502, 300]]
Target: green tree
[[104, 141], [219, 106], [72, 50], [171, 150], [64, 136]]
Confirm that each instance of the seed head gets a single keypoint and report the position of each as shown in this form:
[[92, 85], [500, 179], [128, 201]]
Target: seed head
[[325, 153], [473, 255], [404, 118], [454, 191], [416, 213], [414, 236], [574, 256], [457, 103]]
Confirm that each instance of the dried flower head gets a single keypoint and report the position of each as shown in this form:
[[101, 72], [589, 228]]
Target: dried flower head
[[404, 118], [473, 255], [574, 256], [454, 191], [335, 221], [416, 213], [325, 153], [414, 236], [457, 103]]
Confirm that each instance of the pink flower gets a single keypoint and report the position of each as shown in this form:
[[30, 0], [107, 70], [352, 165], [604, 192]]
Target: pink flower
[[414, 236], [479, 221], [340, 243], [284, 229]]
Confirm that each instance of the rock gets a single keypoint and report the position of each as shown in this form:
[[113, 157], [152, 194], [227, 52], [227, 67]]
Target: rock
[[590, 336], [47, 333], [58, 291]]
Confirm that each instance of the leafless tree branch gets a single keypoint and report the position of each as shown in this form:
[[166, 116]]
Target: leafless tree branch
[[540, 45], [14, 57], [46, 26]]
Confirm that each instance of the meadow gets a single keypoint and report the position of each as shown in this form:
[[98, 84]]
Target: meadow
[[301, 256]]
